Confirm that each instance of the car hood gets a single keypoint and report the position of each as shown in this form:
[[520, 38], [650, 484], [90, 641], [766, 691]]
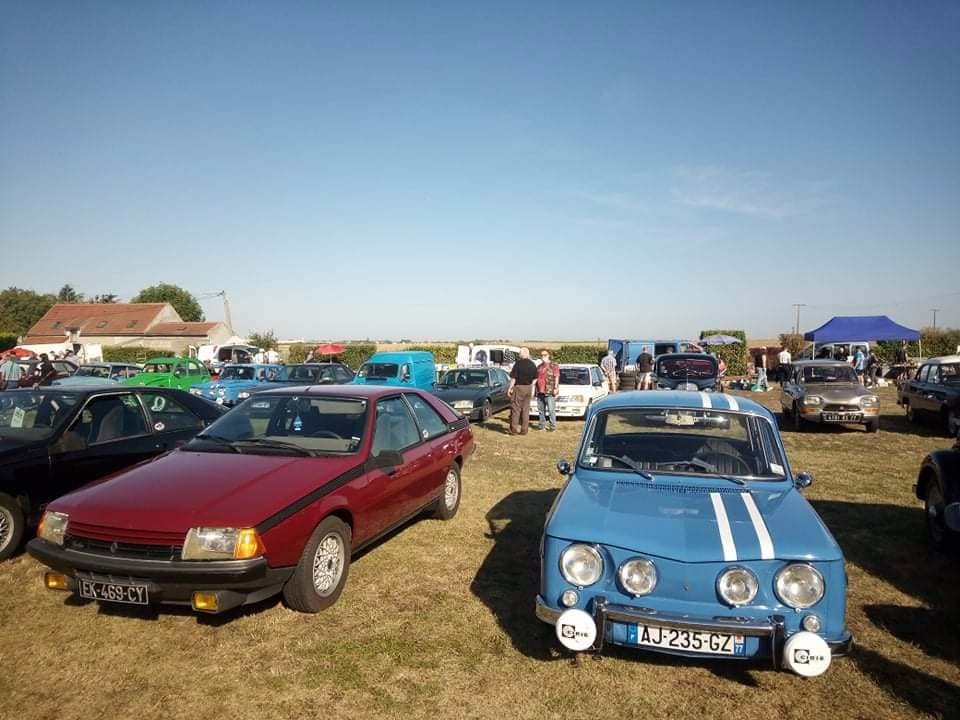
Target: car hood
[[84, 380], [675, 517], [837, 392], [458, 392], [151, 379], [185, 489]]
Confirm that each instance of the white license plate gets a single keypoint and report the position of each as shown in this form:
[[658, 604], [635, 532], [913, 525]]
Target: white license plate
[[114, 592], [693, 641], [842, 417]]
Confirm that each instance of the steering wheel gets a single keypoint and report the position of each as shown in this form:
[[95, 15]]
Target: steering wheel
[[326, 434], [725, 463]]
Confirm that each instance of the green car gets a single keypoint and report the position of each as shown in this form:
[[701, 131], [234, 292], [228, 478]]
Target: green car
[[171, 372]]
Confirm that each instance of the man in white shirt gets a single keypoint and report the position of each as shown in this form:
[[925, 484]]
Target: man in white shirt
[[783, 364]]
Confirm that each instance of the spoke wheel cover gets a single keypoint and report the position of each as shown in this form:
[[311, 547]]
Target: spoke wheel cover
[[6, 527], [328, 562], [451, 490]]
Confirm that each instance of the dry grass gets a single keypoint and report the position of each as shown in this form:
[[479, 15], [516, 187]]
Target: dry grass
[[438, 620]]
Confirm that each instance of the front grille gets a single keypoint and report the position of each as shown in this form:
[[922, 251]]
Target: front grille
[[131, 551], [678, 489], [841, 408]]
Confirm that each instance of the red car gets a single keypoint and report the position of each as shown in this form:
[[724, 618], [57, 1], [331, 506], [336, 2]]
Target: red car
[[274, 497]]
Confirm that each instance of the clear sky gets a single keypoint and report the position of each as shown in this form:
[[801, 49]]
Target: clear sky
[[459, 170]]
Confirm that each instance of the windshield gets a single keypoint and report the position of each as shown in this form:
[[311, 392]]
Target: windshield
[[681, 367], [378, 370], [28, 416], [574, 376], [829, 374], [314, 424], [97, 371], [234, 372], [683, 441], [157, 368], [475, 378]]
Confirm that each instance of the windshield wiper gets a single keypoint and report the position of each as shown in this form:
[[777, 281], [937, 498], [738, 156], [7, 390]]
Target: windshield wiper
[[705, 466], [279, 445], [629, 463], [217, 439]]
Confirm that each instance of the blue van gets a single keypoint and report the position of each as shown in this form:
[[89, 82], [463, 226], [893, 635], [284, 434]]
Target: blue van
[[401, 368]]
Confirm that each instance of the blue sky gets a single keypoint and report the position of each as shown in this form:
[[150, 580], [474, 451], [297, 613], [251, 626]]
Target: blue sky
[[526, 170]]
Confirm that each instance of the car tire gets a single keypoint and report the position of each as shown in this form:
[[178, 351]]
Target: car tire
[[911, 415], [940, 537], [11, 525], [873, 425], [486, 410], [953, 423], [322, 570], [449, 501]]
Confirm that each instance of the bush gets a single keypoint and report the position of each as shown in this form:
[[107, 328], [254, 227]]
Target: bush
[[579, 353], [356, 354], [133, 353], [735, 356], [935, 341], [792, 342], [441, 353], [7, 341]]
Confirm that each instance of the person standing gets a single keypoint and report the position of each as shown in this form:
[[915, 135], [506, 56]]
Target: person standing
[[784, 358], [9, 373], [548, 383], [609, 367], [859, 363], [644, 370], [46, 373], [522, 376], [760, 364]]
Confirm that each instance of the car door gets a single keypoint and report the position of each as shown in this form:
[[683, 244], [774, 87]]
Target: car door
[[790, 390], [107, 435], [934, 392], [498, 389], [434, 433], [172, 421], [401, 487], [916, 389]]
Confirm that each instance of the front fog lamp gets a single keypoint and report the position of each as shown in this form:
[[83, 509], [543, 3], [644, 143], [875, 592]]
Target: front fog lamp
[[53, 526], [737, 586], [204, 543], [638, 576], [799, 585], [868, 401], [581, 565]]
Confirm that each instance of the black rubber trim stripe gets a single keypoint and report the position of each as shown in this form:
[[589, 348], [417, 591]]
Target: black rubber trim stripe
[[459, 424], [295, 507]]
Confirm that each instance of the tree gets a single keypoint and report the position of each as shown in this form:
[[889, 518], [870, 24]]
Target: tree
[[20, 309], [183, 302], [105, 299], [265, 340], [68, 295], [792, 342]]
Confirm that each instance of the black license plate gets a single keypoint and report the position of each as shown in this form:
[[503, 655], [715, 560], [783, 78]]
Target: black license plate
[[842, 417], [114, 592]]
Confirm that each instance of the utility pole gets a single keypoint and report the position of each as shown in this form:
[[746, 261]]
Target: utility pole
[[934, 311], [796, 329]]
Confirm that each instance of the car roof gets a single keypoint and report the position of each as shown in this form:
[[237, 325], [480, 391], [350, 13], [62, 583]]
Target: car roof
[[399, 355], [171, 358], [681, 399], [349, 390], [578, 365], [821, 363], [695, 355], [943, 360], [252, 365]]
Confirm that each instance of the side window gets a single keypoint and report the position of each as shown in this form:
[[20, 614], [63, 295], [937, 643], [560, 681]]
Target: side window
[[344, 374], [105, 419], [924, 373], [934, 377], [193, 369], [503, 377], [405, 373], [430, 421], [167, 414], [595, 376], [394, 428]]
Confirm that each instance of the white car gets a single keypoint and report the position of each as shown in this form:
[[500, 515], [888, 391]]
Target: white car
[[580, 385]]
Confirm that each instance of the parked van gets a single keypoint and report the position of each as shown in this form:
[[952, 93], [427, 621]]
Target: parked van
[[402, 369]]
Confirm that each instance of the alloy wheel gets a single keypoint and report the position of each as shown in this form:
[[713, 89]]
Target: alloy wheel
[[6, 528], [328, 562], [451, 490]]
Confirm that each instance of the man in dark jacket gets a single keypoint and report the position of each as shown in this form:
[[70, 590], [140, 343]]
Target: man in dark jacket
[[522, 377]]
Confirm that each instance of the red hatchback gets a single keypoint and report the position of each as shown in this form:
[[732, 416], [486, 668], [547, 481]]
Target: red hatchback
[[273, 497]]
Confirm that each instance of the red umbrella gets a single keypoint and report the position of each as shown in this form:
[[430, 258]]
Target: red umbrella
[[329, 349], [20, 352]]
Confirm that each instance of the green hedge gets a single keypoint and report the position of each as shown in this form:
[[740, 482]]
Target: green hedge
[[441, 353], [735, 356], [354, 355], [579, 353], [935, 341], [7, 341], [133, 353]]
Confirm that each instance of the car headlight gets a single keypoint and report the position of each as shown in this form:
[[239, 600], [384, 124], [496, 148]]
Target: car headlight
[[221, 391], [869, 401], [53, 526], [243, 395], [812, 400], [463, 404], [205, 543], [638, 576], [581, 565], [799, 585], [737, 586]]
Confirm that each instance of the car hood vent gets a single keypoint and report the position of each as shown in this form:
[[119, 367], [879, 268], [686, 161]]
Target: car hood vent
[[676, 489]]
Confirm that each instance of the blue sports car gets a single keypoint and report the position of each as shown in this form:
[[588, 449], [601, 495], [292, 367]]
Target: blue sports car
[[236, 379], [681, 529]]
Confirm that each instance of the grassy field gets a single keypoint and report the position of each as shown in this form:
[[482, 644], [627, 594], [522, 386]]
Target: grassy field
[[438, 620]]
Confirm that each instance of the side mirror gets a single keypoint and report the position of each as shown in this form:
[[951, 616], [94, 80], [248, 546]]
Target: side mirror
[[803, 480], [178, 372], [386, 459], [564, 468]]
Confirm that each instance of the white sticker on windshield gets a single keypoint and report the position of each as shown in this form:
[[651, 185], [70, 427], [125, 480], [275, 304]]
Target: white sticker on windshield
[[777, 469], [17, 420]]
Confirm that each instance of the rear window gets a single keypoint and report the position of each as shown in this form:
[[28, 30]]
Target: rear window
[[679, 368]]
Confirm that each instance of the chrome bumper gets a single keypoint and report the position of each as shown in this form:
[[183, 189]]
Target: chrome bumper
[[772, 627]]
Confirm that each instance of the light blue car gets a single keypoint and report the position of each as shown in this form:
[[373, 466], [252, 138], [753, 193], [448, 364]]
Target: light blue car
[[403, 368], [100, 374], [236, 379], [681, 529]]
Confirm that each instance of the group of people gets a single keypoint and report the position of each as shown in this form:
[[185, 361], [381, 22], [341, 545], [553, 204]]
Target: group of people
[[13, 375], [527, 378]]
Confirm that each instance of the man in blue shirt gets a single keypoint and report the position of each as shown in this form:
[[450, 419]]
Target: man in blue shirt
[[859, 363]]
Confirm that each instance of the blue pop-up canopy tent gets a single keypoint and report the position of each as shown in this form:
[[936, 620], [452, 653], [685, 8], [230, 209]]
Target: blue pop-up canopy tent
[[860, 327]]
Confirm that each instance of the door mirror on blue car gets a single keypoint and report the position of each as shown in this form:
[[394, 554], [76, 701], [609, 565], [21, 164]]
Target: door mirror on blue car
[[563, 467], [803, 480]]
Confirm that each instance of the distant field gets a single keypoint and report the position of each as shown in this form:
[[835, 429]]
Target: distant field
[[438, 621]]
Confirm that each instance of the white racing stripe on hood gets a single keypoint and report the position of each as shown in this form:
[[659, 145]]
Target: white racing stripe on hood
[[763, 535], [723, 525], [732, 402], [705, 399]]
